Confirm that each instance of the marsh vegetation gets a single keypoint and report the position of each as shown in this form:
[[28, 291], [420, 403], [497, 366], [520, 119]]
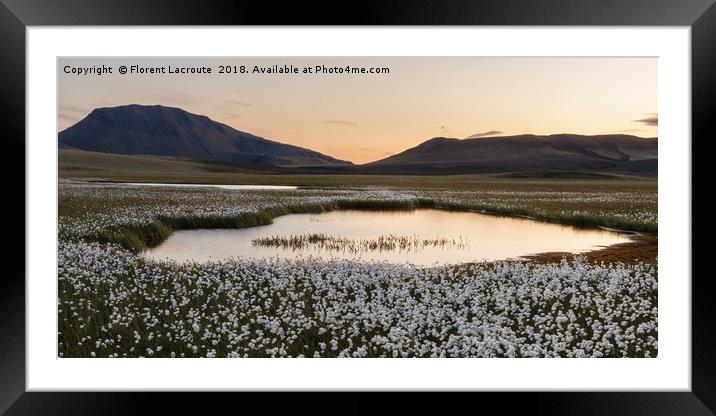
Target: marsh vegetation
[[381, 243], [114, 303]]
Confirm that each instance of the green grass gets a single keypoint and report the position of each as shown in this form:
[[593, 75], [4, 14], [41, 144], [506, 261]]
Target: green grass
[[138, 238], [506, 194], [83, 165], [584, 221]]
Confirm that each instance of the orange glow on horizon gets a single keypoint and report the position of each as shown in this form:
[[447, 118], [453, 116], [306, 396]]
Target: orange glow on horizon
[[363, 118]]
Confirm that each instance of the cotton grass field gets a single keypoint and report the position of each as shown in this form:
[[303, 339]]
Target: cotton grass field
[[114, 303]]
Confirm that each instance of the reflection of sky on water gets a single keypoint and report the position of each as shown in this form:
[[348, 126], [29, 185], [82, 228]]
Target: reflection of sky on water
[[487, 237]]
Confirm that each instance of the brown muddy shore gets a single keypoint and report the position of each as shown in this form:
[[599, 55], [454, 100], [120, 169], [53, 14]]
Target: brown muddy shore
[[641, 248]]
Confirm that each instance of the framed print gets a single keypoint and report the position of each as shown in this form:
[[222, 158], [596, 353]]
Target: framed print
[[232, 198]]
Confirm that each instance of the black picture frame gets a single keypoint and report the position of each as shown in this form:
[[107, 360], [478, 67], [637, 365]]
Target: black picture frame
[[16, 15]]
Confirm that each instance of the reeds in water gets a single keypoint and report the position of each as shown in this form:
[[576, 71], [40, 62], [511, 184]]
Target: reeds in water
[[388, 242]]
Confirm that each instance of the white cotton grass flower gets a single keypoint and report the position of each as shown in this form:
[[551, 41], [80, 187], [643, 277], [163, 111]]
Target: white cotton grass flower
[[114, 303], [510, 309]]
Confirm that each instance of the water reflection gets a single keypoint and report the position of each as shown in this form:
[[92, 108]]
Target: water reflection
[[421, 237], [220, 186]]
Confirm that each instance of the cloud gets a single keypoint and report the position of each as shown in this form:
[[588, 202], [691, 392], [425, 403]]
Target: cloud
[[484, 134], [169, 97], [237, 102], [340, 123], [187, 100], [232, 115], [650, 120], [71, 109]]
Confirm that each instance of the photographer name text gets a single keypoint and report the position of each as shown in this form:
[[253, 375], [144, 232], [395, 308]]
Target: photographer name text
[[286, 69]]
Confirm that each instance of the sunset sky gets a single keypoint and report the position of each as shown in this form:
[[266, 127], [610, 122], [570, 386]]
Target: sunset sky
[[365, 117]]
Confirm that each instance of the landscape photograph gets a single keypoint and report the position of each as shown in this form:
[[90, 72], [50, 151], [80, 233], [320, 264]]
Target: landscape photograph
[[357, 207]]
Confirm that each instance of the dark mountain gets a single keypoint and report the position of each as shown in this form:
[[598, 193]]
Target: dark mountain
[[524, 153], [167, 131]]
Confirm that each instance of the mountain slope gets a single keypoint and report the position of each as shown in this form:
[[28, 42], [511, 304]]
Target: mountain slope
[[167, 131], [559, 152]]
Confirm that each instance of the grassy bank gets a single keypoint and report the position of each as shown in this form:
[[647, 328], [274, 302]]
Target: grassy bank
[[136, 238], [91, 166]]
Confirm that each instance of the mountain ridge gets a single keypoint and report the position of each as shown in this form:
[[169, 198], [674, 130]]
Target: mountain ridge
[[526, 152], [158, 130]]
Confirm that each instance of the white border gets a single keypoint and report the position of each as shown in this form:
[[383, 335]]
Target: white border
[[670, 371]]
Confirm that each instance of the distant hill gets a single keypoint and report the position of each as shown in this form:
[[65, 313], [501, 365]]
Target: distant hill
[[172, 132], [167, 131], [524, 153]]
